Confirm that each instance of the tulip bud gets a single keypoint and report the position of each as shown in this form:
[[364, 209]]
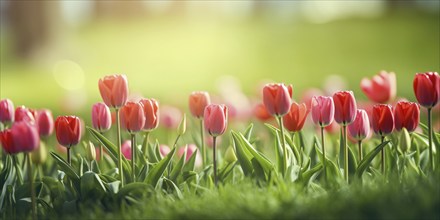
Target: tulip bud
[[151, 111], [215, 119], [132, 117], [101, 117], [277, 98], [126, 149], [381, 88], [91, 151], [114, 90], [427, 88], [406, 115], [182, 126], [6, 111], [383, 119], [198, 102], [39, 155], [360, 127], [294, 120], [68, 130], [323, 110], [345, 107], [23, 137], [405, 140], [45, 122], [230, 155]]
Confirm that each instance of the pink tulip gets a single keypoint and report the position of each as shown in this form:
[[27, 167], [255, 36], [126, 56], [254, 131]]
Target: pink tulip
[[114, 90], [6, 111], [295, 118], [406, 115], [126, 149], [216, 119], [345, 107], [68, 130], [360, 127], [197, 103], [381, 88], [277, 98], [151, 111], [45, 122], [24, 114], [101, 117], [383, 119], [132, 117], [170, 117], [164, 150], [22, 137], [323, 110], [427, 88], [191, 148]]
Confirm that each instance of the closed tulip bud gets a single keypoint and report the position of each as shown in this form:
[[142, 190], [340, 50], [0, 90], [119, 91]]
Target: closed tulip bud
[[406, 115], [68, 130], [345, 107], [277, 98], [7, 142], [39, 155], [24, 114], [230, 155], [114, 90], [132, 117], [261, 112], [381, 88], [126, 149], [91, 151], [360, 128], [151, 111], [405, 140], [25, 136], [182, 126], [383, 119], [427, 88], [101, 117], [323, 110], [45, 122], [295, 118], [216, 119], [6, 111], [198, 102]]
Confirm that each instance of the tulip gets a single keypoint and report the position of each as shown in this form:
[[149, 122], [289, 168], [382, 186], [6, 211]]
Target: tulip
[[25, 136], [277, 98], [261, 113], [7, 142], [383, 124], [126, 149], [381, 88], [101, 117], [323, 110], [345, 107], [406, 115], [360, 128], [24, 114], [164, 150], [45, 122], [198, 102], [215, 121], [151, 111], [295, 118], [132, 117], [170, 117], [68, 132], [427, 91], [6, 111], [114, 90]]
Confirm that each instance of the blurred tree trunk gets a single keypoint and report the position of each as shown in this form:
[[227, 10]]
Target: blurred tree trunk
[[32, 25]]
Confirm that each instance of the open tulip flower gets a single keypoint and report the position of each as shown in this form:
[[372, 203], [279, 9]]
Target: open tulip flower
[[294, 120], [114, 90], [381, 88]]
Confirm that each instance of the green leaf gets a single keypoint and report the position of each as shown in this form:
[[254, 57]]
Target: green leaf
[[189, 166], [179, 166], [136, 188], [294, 149], [174, 186], [65, 167], [352, 161], [226, 170], [158, 169], [248, 132], [365, 163], [244, 158], [152, 152], [306, 176], [279, 154], [92, 186]]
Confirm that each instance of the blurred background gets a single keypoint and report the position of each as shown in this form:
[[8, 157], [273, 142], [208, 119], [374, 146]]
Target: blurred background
[[54, 52]]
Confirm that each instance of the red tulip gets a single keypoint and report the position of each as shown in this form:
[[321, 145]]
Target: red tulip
[[68, 130], [197, 103], [151, 111], [323, 110], [22, 137], [101, 117], [6, 111], [345, 107], [114, 90], [277, 98], [406, 115], [45, 122], [383, 119], [295, 118], [7, 142], [360, 127], [132, 117], [381, 89], [126, 149], [24, 114], [216, 119], [261, 112], [427, 88]]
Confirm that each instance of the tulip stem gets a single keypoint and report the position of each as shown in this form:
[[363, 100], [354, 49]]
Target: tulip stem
[[145, 143], [360, 151], [101, 152], [175, 142], [202, 141], [133, 156], [17, 169], [344, 129], [118, 130], [280, 121], [214, 159], [324, 161], [382, 153], [69, 156], [31, 180], [431, 156]]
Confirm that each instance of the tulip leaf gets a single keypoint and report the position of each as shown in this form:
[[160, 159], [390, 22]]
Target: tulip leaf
[[352, 161], [158, 169], [7, 177], [330, 167], [92, 186], [226, 170], [174, 186], [244, 157], [136, 188], [294, 149], [152, 152], [365, 163], [65, 167], [190, 164], [248, 132], [306, 176], [179, 166], [279, 154]]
